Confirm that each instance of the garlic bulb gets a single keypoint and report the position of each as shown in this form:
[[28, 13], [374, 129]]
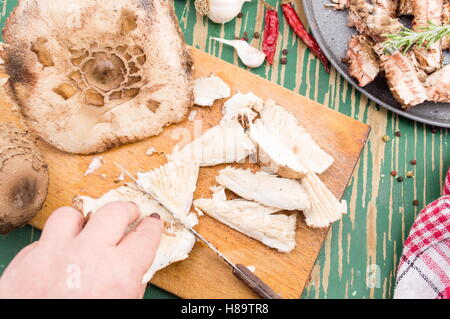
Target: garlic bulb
[[220, 11], [249, 55]]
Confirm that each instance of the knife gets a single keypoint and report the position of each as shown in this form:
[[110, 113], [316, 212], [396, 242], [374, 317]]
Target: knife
[[240, 271]]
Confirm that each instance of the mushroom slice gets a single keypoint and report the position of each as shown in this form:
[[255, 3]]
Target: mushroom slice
[[176, 241], [241, 107], [224, 143], [325, 208], [280, 136], [265, 188], [252, 219], [209, 89], [103, 49], [173, 185]]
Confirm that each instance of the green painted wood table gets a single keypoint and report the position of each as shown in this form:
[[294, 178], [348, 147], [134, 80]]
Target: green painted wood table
[[360, 255]]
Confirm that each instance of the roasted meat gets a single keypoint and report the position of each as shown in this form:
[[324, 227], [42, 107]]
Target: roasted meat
[[337, 4], [372, 20], [362, 60], [413, 76], [426, 11], [446, 20], [438, 85], [405, 8], [402, 78], [389, 5]]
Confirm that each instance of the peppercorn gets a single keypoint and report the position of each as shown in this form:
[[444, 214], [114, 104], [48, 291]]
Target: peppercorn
[[256, 35], [386, 138], [415, 202], [434, 130], [399, 179], [398, 134], [413, 162], [245, 34], [394, 173], [409, 174], [240, 15], [283, 60], [284, 52]]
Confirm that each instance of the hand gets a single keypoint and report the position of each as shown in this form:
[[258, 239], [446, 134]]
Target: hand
[[97, 261]]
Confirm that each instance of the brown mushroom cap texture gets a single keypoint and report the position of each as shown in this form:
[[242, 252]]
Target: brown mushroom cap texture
[[23, 178], [92, 75]]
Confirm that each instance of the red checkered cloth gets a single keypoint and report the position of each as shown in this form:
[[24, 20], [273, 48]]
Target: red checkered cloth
[[424, 269]]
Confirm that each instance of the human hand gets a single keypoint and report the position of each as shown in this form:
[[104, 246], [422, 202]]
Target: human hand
[[95, 261]]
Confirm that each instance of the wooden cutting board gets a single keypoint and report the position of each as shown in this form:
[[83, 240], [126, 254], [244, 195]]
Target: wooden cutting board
[[203, 274]]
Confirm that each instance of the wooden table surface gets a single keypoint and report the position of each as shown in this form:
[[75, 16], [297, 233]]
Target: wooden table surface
[[361, 253]]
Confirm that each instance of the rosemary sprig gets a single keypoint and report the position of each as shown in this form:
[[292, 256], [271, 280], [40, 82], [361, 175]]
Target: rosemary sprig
[[406, 38]]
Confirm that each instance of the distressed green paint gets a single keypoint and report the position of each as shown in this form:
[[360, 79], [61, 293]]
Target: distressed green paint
[[342, 267]]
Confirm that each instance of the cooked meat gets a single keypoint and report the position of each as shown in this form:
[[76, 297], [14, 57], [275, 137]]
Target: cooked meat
[[362, 60], [105, 74], [176, 242], [337, 4], [173, 185], [438, 85], [325, 208], [446, 20], [405, 8], [402, 78], [224, 143], [389, 5], [252, 219], [264, 188], [372, 21], [421, 74], [426, 11]]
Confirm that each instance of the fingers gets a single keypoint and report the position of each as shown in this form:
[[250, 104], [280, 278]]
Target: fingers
[[22, 254], [109, 223], [141, 244], [65, 223]]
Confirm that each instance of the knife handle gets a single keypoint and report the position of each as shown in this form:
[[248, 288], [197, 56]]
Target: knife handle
[[254, 283]]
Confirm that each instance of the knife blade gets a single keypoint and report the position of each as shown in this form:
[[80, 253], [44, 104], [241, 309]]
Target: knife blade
[[239, 270]]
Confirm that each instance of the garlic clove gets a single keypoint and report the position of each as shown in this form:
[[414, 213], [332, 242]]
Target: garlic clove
[[249, 55], [220, 11]]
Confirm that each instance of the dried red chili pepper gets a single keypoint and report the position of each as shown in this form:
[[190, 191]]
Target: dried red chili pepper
[[269, 45], [299, 29]]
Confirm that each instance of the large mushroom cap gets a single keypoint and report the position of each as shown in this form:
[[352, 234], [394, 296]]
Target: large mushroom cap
[[91, 74], [23, 178]]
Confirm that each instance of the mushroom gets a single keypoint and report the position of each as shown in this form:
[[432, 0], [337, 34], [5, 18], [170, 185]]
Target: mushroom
[[120, 75], [23, 178]]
